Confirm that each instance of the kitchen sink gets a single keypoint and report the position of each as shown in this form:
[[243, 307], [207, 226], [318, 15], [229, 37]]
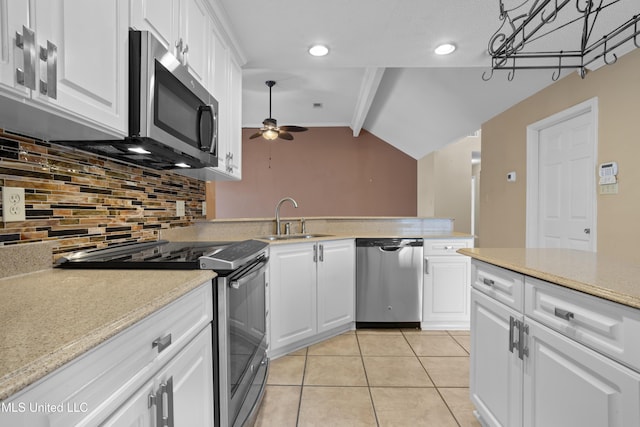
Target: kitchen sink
[[293, 236]]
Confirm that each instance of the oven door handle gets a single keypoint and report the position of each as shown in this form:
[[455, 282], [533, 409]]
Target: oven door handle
[[235, 284]]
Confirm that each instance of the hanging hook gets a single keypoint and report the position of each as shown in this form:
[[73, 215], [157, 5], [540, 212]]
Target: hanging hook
[[512, 73], [552, 17], [604, 56], [556, 74], [486, 79], [587, 6]]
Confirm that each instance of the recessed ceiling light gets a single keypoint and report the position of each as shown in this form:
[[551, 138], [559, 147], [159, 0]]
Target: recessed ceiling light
[[182, 165], [445, 49], [318, 50]]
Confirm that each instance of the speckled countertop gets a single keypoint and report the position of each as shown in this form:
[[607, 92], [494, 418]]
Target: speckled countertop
[[588, 272], [50, 317]]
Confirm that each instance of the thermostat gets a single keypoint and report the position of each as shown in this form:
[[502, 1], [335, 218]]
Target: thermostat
[[608, 173]]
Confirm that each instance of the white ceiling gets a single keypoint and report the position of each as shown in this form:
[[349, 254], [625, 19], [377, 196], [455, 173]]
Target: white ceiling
[[381, 74]]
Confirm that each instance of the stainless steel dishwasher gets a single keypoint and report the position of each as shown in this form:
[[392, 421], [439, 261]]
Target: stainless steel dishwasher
[[388, 282]]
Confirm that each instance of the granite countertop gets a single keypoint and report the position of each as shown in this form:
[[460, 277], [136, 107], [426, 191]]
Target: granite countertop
[[605, 277], [50, 317]]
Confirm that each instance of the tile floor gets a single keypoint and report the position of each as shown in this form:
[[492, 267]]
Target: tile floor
[[389, 377]]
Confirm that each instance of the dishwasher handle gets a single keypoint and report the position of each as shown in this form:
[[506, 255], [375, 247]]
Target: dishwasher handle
[[391, 248]]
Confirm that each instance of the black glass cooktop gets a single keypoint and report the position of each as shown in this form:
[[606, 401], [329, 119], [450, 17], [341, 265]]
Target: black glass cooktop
[[145, 255]]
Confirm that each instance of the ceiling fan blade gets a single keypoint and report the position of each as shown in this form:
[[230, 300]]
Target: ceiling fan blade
[[257, 134], [285, 135], [292, 128]]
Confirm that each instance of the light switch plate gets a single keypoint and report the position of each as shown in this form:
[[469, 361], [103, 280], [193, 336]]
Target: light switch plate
[[13, 206], [180, 211], [204, 208]]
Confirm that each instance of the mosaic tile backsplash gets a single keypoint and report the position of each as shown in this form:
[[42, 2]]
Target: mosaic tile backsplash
[[79, 200]]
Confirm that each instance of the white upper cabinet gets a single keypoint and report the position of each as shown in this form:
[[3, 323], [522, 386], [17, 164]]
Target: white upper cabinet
[[68, 58], [182, 26], [160, 17], [15, 16], [194, 24]]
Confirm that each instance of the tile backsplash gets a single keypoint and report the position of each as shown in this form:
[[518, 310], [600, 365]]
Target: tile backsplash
[[79, 200]]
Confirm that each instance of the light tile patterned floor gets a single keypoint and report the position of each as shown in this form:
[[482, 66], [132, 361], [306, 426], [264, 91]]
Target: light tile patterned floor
[[377, 377]]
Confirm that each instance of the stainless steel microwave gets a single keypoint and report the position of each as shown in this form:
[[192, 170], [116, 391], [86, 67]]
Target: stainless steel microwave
[[173, 119]]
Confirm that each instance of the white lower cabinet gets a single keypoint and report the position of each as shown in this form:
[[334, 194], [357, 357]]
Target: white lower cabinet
[[168, 355], [495, 372], [523, 373], [181, 393], [312, 292], [446, 293], [569, 385]]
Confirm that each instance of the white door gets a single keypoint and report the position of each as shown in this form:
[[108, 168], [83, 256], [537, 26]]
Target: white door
[[446, 291], [293, 294], [336, 284], [568, 385], [563, 200], [496, 372], [92, 58]]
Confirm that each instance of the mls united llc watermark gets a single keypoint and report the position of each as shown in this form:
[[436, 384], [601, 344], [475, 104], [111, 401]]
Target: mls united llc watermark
[[43, 408]]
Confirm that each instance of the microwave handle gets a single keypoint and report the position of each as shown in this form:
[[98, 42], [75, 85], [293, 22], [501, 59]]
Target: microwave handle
[[201, 109]]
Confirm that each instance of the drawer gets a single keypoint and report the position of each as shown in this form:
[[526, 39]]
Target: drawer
[[446, 246], [501, 284], [607, 327], [97, 382]]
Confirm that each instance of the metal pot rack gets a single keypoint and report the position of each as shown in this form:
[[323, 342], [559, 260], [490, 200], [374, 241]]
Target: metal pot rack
[[507, 46]]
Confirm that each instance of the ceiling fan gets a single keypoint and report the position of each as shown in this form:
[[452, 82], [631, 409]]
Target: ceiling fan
[[270, 129]]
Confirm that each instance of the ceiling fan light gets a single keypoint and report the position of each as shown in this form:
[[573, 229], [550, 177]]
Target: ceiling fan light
[[318, 50], [270, 134], [445, 49]]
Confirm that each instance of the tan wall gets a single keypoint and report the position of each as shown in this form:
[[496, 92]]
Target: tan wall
[[444, 187], [503, 205], [327, 171], [426, 185]]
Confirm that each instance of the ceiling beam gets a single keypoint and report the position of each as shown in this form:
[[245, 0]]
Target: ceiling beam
[[368, 88]]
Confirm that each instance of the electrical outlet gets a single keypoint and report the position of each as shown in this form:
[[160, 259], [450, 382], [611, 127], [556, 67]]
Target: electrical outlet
[[13, 208], [180, 211]]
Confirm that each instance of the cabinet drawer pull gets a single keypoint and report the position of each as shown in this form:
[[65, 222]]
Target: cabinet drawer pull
[[448, 247], [488, 282], [161, 343], [563, 314]]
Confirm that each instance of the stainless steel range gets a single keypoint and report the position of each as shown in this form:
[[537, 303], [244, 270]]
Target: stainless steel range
[[239, 336]]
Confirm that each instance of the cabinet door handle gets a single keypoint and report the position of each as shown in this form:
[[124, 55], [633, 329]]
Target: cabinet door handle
[[321, 253], [315, 252], [50, 58], [161, 343], [27, 42], [513, 343], [563, 314], [523, 350], [426, 266], [156, 399], [167, 388]]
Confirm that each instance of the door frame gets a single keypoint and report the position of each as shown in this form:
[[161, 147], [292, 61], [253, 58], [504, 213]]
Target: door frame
[[589, 107]]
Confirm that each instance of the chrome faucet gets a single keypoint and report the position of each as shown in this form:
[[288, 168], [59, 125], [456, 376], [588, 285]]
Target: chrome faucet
[[295, 205]]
